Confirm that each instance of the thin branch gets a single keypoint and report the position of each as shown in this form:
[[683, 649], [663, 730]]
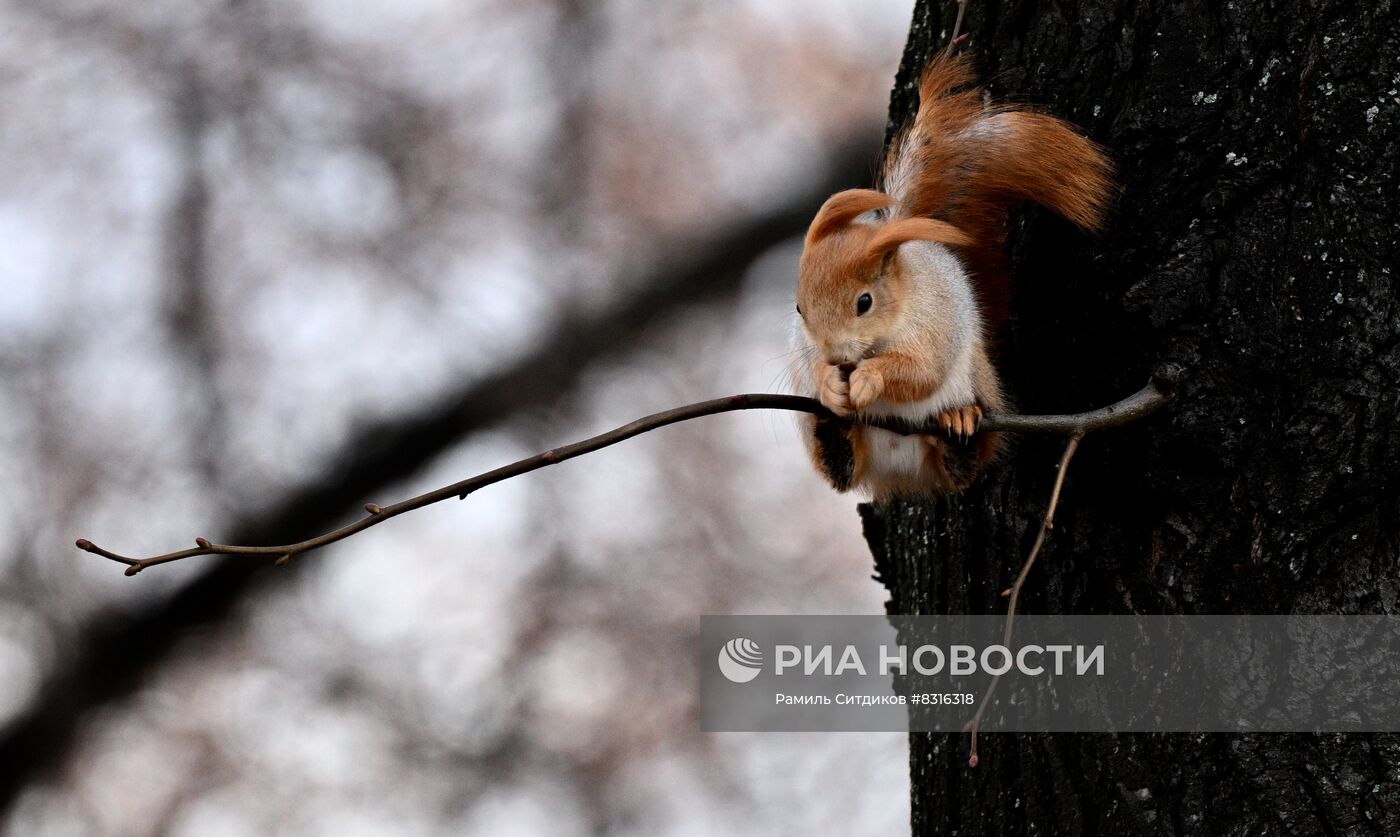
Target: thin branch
[[1015, 592], [957, 27], [1140, 404], [112, 656], [1145, 401]]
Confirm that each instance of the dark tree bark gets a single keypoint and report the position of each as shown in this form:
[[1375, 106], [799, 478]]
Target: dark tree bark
[[1254, 245]]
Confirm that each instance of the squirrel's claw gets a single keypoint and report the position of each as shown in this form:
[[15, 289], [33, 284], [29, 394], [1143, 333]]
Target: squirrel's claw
[[960, 422]]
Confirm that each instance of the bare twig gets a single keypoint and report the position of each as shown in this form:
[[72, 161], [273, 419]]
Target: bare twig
[[111, 658], [1145, 401], [957, 27], [1015, 592]]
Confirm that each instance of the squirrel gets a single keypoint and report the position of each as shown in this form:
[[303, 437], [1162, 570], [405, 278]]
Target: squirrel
[[902, 289]]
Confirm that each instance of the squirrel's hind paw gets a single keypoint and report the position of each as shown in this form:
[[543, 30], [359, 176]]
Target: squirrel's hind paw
[[960, 422]]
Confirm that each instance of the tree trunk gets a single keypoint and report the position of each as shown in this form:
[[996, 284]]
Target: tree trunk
[[1254, 246]]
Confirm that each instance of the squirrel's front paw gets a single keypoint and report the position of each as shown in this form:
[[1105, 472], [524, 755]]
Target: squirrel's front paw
[[835, 392], [866, 385], [960, 422]]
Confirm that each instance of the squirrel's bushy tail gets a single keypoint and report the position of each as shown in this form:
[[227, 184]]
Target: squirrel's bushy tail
[[967, 162]]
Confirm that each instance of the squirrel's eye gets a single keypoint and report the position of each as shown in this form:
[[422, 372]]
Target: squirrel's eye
[[863, 304], [799, 310]]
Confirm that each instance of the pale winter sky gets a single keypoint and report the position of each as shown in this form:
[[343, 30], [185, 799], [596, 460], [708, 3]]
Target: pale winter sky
[[233, 233]]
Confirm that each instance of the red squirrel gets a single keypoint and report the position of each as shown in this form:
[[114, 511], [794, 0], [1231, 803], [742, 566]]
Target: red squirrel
[[901, 290]]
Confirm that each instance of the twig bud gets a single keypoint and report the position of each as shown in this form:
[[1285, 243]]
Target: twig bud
[[283, 561], [202, 543], [372, 508], [134, 569], [84, 544], [972, 760]]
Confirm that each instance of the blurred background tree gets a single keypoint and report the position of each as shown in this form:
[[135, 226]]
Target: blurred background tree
[[266, 261]]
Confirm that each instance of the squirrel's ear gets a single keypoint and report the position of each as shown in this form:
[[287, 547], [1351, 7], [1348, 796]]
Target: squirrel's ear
[[890, 236], [842, 208]]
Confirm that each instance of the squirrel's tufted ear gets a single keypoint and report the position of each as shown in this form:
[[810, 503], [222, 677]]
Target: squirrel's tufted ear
[[891, 235], [842, 208]]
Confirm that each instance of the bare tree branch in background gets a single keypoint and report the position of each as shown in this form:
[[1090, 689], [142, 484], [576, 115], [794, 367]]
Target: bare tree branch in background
[[1141, 404], [189, 321], [111, 658]]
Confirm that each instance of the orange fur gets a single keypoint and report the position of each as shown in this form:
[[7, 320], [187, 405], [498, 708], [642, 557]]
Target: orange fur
[[901, 290], [967, 162], [842, 208], [902, 376], [895, 233]]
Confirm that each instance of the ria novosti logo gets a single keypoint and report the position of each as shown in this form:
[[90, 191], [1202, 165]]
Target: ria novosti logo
[[740, 660]]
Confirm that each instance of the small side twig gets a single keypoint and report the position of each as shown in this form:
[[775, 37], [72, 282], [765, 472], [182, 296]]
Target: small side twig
[[1142, 403], [957, 27], [1015, 591]]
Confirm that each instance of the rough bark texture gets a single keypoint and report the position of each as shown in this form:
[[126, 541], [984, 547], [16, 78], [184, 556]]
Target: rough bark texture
[[1254, 244]]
